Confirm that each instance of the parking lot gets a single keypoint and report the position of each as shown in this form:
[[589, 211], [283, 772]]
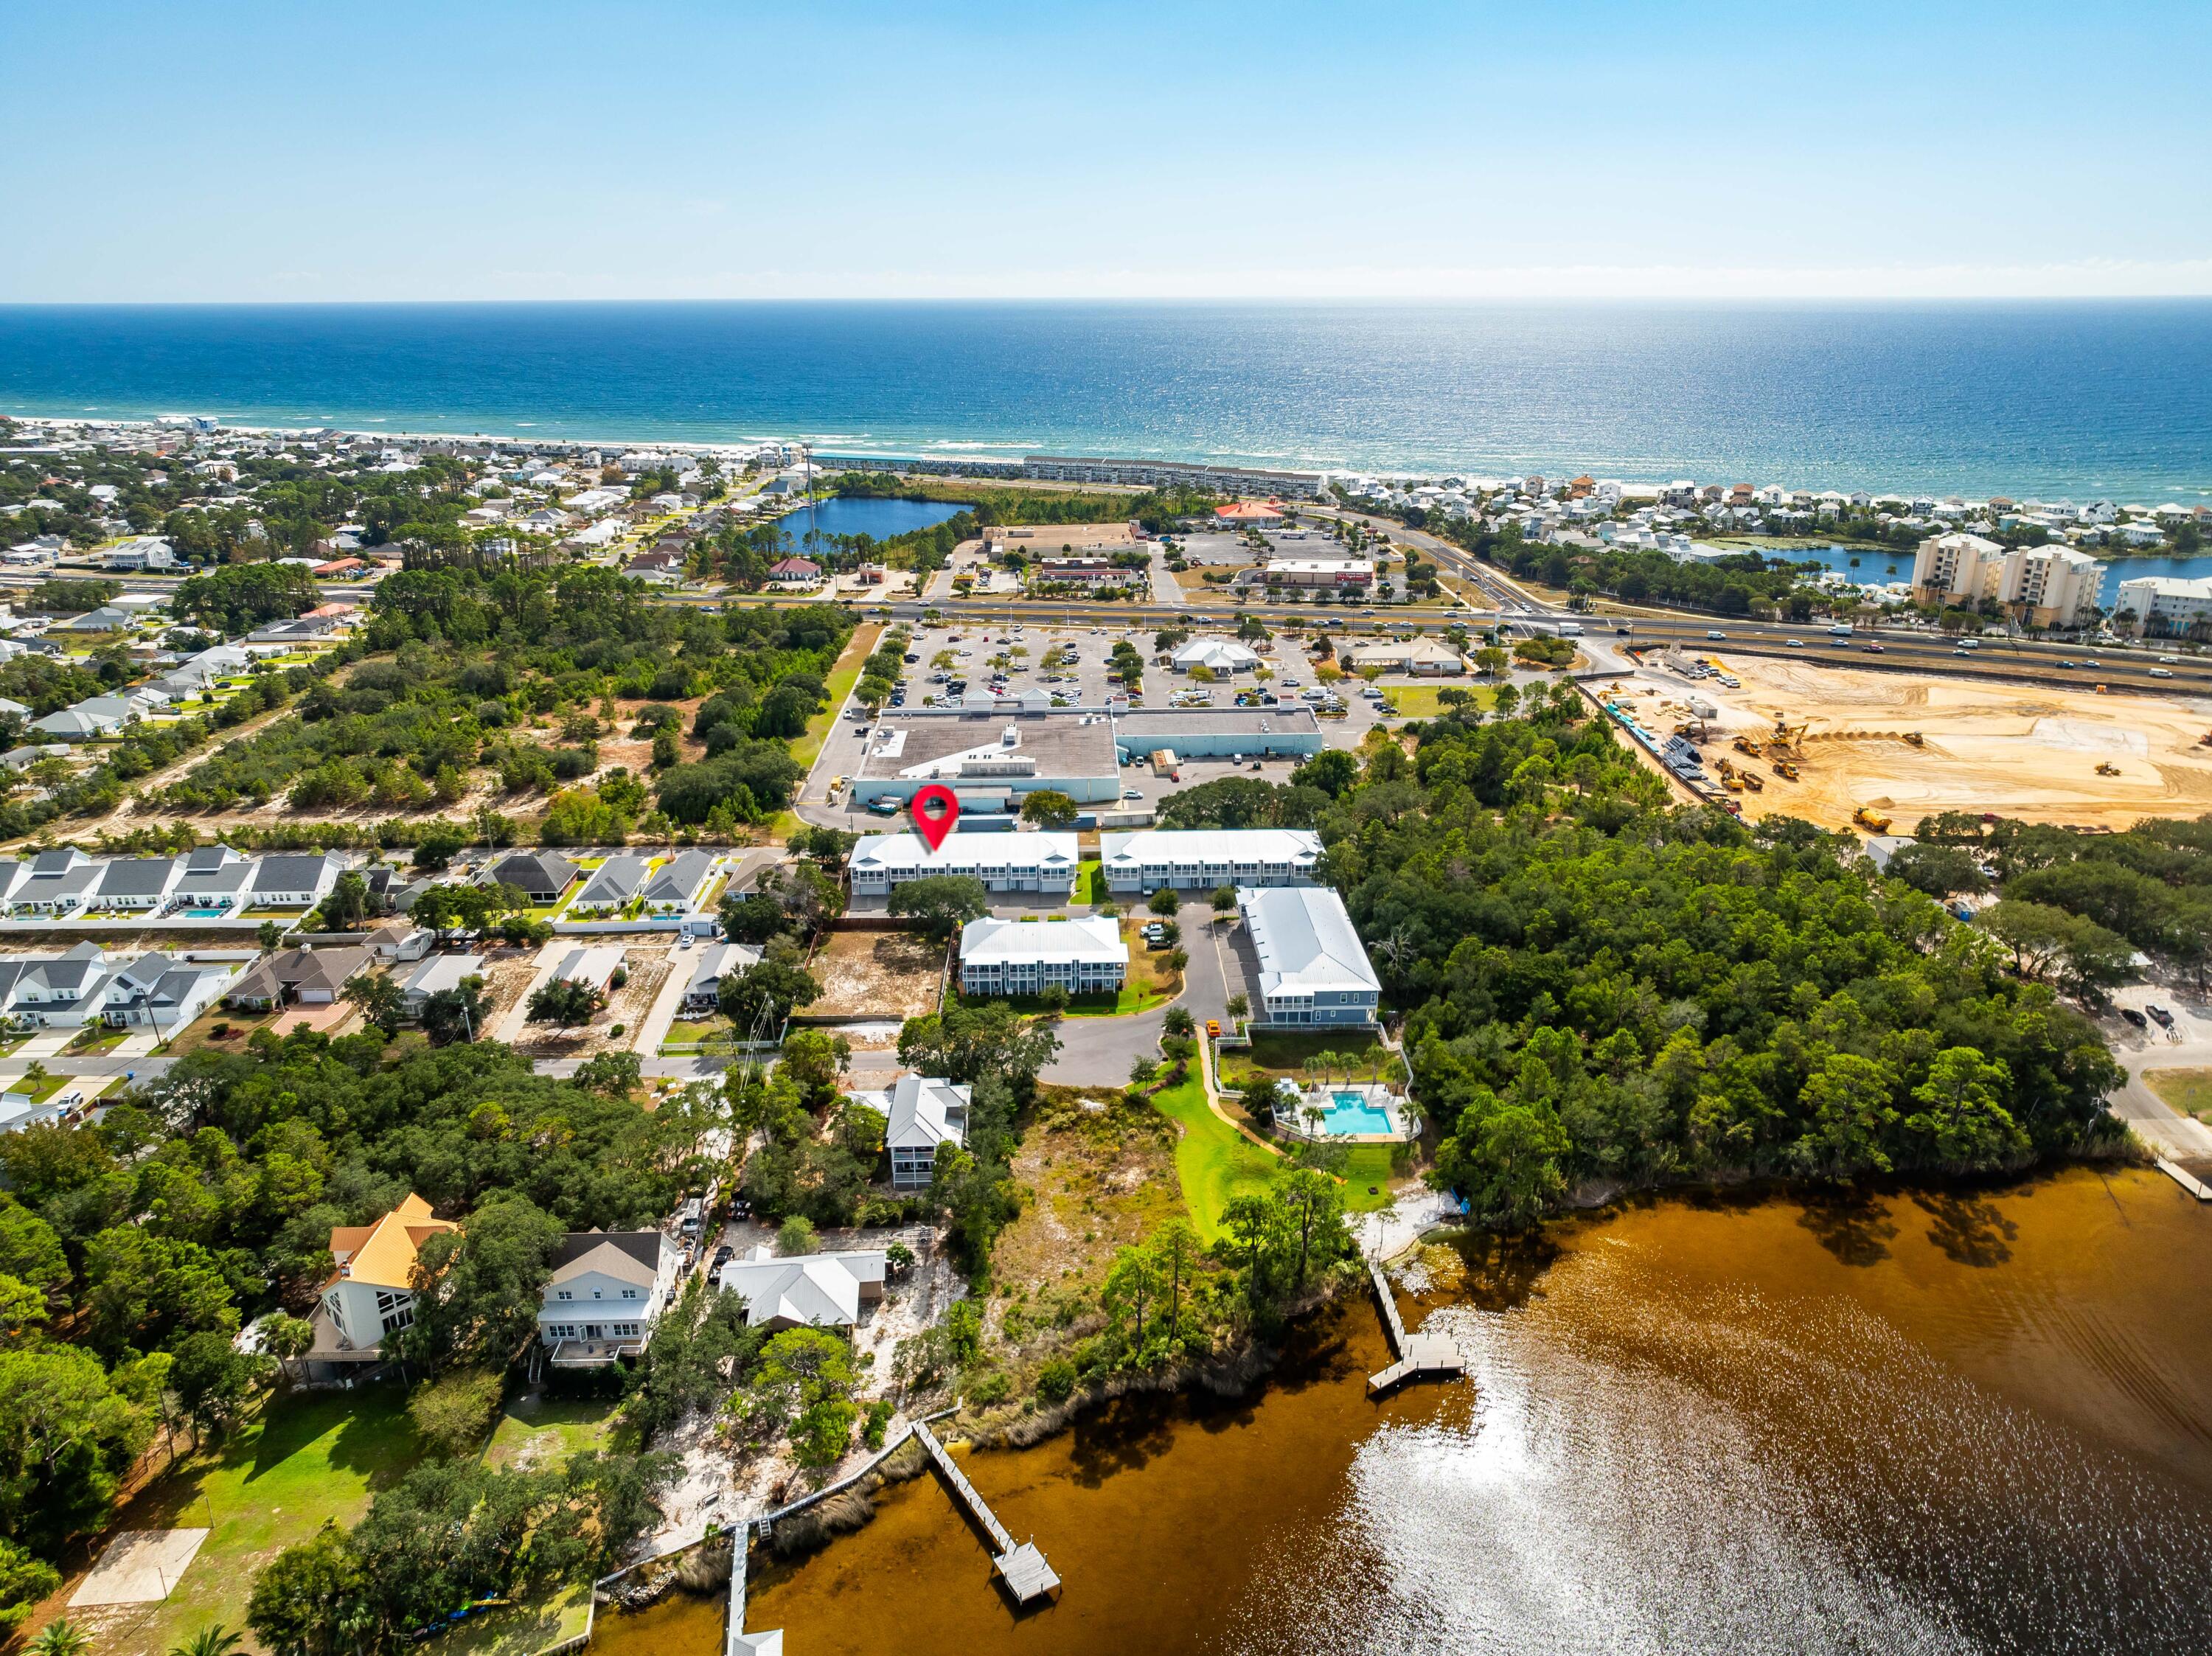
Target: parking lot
[[1037, 657]]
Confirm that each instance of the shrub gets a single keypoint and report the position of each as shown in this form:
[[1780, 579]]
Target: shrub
[[879, 1418], [1055, 1381]]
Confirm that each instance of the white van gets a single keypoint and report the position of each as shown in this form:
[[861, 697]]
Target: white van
[[690, 1216]]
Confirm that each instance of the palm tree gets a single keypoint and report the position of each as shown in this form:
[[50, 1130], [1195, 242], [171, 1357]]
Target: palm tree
[[60, 1637], [213, 1639]]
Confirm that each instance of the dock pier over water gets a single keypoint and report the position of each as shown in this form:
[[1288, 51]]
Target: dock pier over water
[[1020, 1566], [1419, 1356]]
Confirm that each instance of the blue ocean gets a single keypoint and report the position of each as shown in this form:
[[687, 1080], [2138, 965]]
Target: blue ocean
[[2081, 399]]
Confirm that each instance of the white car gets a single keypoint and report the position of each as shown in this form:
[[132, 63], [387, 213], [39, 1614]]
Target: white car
[[1133, 793], [1795, 643]]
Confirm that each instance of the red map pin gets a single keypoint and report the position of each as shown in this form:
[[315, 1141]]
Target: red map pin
[[936, 809]]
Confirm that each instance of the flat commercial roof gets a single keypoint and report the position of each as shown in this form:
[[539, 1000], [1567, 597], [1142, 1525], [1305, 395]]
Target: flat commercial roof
[[1070, 741], [1153, 722]]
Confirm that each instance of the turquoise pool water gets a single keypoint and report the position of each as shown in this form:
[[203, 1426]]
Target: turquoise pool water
[[1350, 1113]]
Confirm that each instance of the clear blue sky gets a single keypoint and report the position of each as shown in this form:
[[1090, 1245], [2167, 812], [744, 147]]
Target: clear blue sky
[[395, 150]]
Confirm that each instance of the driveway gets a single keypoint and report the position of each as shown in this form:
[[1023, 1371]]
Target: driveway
[[1097, 1052]]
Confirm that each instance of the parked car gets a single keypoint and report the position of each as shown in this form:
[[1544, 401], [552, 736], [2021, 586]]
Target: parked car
[[1133, 793], [2132, 1016], [723, 1255], [2165, 1018]]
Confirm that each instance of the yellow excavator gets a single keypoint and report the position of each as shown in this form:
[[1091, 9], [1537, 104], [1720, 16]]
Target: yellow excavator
[[1787, 737], [1727, 772], [1873, 821], [1916, 738], [2106, 767]]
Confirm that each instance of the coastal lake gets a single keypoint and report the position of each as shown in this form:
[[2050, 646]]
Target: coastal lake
[[881, 518], [1874, 567], [1965, 1420]]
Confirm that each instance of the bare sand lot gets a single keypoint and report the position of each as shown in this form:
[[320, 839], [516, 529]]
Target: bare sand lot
[[2021, 750], [877, 973]]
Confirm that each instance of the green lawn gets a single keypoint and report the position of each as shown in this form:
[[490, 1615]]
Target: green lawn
[[1284, 1055], [1215, 1163], [2188, 1091], [542, 1432], [689, 1032], [523, 1630], [306, 1459], [1091, 884], [1420, 701], [93, 1040]]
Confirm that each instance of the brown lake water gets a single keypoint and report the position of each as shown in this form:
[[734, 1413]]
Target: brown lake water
[[1962, 1422]]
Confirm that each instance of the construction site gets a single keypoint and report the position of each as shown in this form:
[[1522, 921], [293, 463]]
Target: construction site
[[1873, 749]]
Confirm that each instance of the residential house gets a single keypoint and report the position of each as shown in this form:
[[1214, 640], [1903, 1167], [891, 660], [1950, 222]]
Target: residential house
[[704, 994], [57, 884], [139, 884], [613, 884], [919, 1113], [540, 875], [435, 976], [308, 975], [1083, 956], [53, 992], [680, 880], [371, 1293], [592, 967], [662, 568], [795, 572], [159, 989], [396, 941], [292, 882], [77, 724], [607, 1291], [141, 553], [212, 881], [806, 1290]]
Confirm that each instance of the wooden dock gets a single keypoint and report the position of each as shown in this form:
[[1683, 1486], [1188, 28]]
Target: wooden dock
[[2188, 1180], [1420, 1356], [1021, 1566]]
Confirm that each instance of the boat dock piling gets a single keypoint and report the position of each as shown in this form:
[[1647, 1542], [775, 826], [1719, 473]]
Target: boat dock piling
[[1420, 1356], [1022, 1567]]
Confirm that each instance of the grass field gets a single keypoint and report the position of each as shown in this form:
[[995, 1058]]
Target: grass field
[[1422, 700], [1283, 1056], [541, 1432], [276, 1479], [1091, 884], [2188, 1091], [1216, 1163]]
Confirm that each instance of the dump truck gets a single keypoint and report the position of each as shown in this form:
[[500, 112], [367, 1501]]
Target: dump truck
[[1751, 780], [1749, 744], [1873, 821], [1785, 770]]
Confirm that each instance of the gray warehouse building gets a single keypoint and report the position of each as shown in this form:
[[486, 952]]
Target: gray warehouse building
[[992, 756]]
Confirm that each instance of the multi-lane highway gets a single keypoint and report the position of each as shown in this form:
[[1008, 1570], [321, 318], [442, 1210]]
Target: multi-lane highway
[[1507, 605]]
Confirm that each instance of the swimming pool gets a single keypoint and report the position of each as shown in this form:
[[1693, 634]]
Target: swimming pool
[[1351, 1114]]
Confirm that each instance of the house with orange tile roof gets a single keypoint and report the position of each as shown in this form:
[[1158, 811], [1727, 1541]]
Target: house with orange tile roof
[[371, 1291]]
